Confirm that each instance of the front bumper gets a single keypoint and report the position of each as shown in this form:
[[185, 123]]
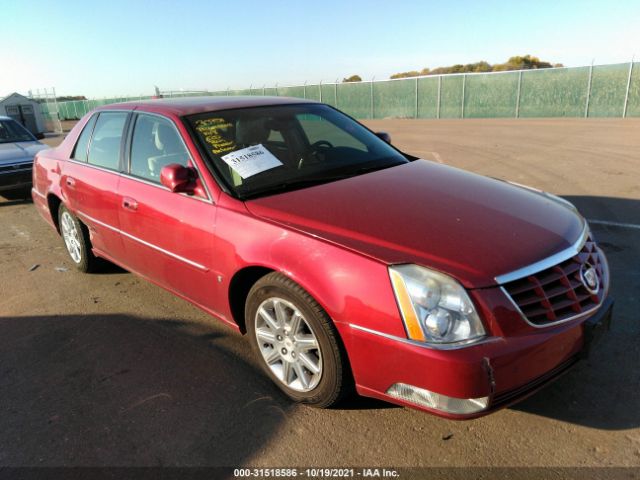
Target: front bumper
[[504, 369], [15, 177]]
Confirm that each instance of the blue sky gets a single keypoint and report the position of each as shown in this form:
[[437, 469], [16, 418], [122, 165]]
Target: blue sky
[[125, 47]]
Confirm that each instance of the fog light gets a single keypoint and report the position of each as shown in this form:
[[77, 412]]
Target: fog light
[[425, 398]]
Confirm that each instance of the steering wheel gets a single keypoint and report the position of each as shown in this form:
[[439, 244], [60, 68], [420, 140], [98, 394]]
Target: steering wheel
[[319, 143], [311, 157]]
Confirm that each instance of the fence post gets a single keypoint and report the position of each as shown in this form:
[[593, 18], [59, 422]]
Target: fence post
[[416, 93], [320, 90], [586, 107], [626, 96], [371, 96], [518, 94], [335, 89], [439, 96], [304, 89], [464, 82]]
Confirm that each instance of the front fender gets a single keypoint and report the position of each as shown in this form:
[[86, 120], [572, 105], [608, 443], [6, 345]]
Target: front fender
[[353, 289]]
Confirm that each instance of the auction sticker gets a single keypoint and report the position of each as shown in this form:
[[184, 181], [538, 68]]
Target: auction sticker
[[251, 160]]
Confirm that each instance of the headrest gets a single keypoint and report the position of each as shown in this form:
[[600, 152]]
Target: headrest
[[251, 131]]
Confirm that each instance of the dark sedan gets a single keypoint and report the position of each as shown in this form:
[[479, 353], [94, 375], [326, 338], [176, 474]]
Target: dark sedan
[[17, 149]]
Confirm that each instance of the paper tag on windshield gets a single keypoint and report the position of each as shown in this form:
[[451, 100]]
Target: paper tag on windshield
[[251, 161]]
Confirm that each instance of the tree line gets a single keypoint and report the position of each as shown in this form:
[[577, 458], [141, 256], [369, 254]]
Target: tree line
[[519, 62]]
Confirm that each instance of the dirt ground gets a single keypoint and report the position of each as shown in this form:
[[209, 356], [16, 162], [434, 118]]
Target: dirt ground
[[109, 370]]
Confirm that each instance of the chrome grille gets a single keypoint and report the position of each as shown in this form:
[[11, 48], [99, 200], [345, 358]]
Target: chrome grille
[[558, 293], [16, 167]]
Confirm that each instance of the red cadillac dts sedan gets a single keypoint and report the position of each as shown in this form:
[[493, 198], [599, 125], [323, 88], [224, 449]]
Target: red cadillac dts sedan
[[345, 261]]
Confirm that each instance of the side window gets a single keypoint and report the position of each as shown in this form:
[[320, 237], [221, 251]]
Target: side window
[[104, 150], [155, 144], [80, 150]]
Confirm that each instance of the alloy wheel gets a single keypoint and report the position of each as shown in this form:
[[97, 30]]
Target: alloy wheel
[[288, 345], [71, 236]]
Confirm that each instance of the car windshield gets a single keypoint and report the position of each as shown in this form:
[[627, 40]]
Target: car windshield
[[265, 150], [12, 131]]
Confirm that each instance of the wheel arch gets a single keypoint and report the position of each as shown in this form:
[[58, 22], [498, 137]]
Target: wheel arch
[[239, 288], [54, 202]]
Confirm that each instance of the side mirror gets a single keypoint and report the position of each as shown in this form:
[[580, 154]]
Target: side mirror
[[39, 136], [178, 178], [384, 136]]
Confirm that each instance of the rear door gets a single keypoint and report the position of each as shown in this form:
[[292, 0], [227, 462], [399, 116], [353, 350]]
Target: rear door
[[90, 180], [168, 237]]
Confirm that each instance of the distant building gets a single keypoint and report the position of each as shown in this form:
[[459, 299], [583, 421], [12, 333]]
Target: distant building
[[24, 110]]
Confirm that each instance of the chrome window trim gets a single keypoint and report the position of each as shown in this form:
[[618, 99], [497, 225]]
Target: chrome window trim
[[162, 187], [209, 198], [137, 179], [73, 151], [546, 262], [143, 242], [429, 346], [97, 167]]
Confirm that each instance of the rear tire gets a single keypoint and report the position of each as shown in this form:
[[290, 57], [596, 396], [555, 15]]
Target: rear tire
[[296, 342], [77, 241]]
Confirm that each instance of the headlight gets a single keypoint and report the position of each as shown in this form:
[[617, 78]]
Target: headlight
[[435, 308]]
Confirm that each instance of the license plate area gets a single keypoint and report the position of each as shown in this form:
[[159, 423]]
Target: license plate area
[[596, 326]]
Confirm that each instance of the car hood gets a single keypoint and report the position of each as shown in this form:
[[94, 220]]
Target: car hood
[[471, 227], [19, 151]]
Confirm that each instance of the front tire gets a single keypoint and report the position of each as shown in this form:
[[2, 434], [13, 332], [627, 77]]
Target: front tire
[[296, 342], [77, 241]]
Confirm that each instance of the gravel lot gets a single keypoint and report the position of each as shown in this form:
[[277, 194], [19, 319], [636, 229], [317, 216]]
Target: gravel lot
[[107, 369]]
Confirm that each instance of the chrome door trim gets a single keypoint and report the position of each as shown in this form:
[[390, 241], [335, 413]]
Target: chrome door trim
[[143, 242], [137, 179]]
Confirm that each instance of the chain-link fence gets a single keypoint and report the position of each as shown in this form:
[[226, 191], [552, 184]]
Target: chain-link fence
[[592, 91]]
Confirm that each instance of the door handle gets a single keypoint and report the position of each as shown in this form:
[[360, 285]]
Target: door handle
[[129, 203], [71, 182]]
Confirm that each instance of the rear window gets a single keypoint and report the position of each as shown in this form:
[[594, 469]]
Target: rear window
[[104, 150], [80, 150]]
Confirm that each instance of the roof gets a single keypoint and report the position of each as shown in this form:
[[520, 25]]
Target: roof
[[191, 105], [17, 95]]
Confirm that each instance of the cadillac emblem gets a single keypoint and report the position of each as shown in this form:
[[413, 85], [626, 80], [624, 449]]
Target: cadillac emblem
[[589, 278]]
